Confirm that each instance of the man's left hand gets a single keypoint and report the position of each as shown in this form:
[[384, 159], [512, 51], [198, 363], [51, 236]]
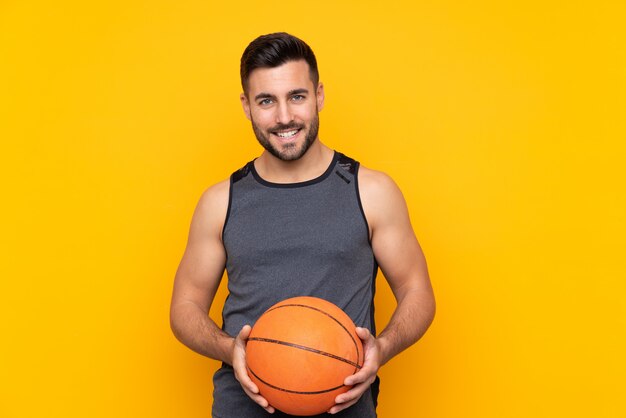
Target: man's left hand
[[361, 380]]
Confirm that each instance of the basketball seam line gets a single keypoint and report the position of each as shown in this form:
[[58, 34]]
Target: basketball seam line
[[303, 347], [292, 391], [358, 354]]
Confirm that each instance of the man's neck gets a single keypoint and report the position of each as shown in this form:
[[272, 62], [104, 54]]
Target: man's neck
[[311, 165]]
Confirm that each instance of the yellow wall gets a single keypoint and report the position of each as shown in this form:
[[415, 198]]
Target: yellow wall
[[503, 124]]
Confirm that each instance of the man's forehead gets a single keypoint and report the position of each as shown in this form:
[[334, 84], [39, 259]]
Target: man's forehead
[[288, 76]]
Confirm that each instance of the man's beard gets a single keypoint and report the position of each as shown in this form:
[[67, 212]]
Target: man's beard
[[289, 152]]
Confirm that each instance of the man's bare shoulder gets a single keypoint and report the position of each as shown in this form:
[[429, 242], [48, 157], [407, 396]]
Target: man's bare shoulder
[[216, 194], [212, 206], [377, 184], [380, 195]]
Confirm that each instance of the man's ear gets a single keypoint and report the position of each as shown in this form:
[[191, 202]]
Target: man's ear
[[245, 104], [320, 97]]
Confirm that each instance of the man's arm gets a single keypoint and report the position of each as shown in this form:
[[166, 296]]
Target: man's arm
[[197, 279], [402, 261]]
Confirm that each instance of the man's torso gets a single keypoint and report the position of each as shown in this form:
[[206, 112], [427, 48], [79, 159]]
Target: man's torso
[[286, 240]]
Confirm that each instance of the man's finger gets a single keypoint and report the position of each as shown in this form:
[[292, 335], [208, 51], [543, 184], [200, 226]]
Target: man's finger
[[260, 400], [244, 333], [363, 333], [239, 364], [245, 381], [365, 375], [353, 394], [341, 407]]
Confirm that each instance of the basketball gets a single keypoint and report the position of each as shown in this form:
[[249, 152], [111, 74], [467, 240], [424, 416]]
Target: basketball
[[300, 351]]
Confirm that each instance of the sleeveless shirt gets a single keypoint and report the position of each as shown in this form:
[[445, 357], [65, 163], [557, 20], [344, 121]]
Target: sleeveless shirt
[[294, 239]]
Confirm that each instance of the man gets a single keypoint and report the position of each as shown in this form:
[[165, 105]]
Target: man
[[299, 220]]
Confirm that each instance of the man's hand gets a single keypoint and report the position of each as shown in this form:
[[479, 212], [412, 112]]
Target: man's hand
[[241, 373], [361, 380]]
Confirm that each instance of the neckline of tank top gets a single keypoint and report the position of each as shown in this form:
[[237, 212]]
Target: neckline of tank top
[[310, 182]]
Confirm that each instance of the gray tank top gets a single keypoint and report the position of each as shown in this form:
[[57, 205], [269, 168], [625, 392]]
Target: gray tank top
[[297, 239]]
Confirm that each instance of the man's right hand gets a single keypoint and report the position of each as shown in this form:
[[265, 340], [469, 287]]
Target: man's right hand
[[241, 373]]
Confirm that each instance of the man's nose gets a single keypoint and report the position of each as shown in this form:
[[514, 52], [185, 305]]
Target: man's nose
[[283, 114]]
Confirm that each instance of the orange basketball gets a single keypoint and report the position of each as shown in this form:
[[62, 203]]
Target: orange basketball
[[300, 351]]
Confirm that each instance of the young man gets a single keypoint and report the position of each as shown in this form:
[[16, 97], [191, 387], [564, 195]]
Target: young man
[[299, 220]]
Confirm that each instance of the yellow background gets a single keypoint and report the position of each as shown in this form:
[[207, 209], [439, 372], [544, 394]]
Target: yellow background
[[502, 122]]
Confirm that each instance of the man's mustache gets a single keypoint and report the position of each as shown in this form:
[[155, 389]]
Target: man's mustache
[[289, 126]]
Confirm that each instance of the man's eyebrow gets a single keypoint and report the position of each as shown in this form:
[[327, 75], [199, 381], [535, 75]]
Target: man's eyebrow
[[264, 96], [297, 91]]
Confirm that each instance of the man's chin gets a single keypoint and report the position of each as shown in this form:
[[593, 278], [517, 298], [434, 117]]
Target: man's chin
[[286, 150], [289, 152]]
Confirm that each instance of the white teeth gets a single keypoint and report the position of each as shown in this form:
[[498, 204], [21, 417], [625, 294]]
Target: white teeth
[[288, 134]]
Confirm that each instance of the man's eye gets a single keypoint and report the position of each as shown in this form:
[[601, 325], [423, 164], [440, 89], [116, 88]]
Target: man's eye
[[297, 97], [265, 102]]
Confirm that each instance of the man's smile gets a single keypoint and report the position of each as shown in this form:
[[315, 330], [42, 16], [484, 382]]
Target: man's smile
[[287, 134]]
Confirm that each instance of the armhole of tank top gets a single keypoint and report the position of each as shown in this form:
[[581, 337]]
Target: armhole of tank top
[[230, 202], [358, 198], [375, 263]]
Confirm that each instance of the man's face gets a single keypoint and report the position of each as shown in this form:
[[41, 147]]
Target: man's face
[[283, 104]]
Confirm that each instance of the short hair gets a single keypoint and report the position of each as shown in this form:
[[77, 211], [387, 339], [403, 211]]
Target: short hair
[[273, 50]]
